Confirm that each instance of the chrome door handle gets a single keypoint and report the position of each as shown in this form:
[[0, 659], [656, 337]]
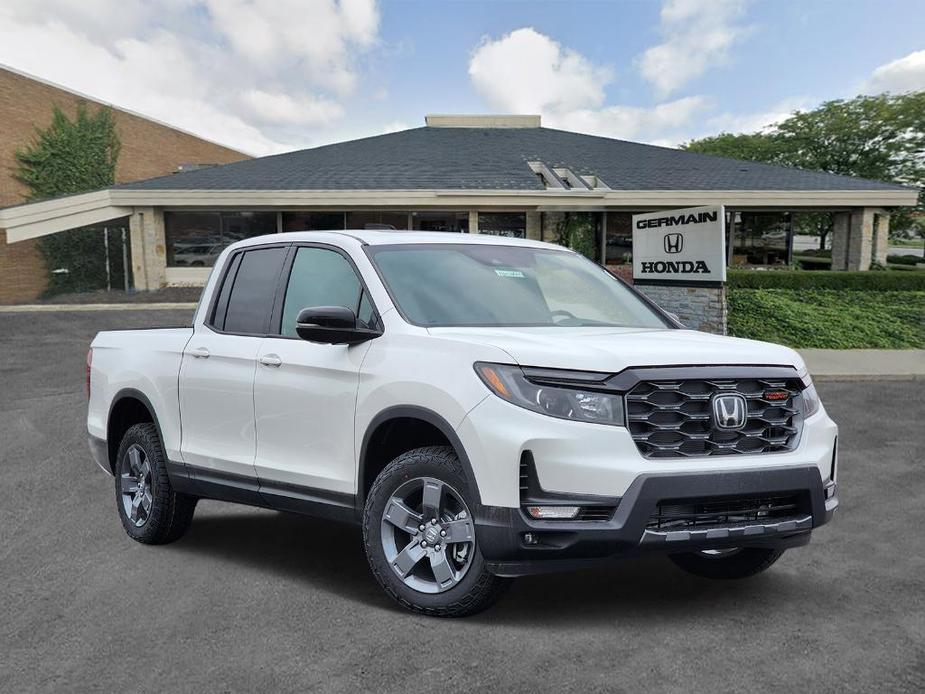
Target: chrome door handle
[[270, 360], [200, 352]]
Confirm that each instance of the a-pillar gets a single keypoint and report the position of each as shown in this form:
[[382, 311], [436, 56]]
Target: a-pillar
[[149, 248]]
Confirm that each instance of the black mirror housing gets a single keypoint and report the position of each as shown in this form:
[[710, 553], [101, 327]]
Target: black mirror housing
[[332, 325]]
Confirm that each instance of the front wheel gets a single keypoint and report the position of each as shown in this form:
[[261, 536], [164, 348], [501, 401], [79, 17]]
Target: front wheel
[[420, 536], [727, 563]]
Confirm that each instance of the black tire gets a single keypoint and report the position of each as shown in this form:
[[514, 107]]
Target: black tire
[[169, 513], [743, 563], [478, 588]]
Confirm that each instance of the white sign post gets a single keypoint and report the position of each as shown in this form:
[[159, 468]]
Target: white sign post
[[687, 245]]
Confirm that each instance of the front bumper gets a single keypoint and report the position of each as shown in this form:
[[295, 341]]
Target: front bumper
[[561, 545]]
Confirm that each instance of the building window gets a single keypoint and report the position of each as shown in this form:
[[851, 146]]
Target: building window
[[440, 221], [377, 220], [619, 244], [510, 224], [761, 238], [314, 221], [195, 239]]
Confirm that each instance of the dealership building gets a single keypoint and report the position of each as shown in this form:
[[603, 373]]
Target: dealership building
[[503, 175]]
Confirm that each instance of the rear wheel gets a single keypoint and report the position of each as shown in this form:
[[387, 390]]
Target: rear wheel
[[150, 510], [727, 563], [420, 536]]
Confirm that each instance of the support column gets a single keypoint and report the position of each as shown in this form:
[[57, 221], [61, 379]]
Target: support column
[[881, 238], [473, 221], [551, 223], [149, 248], [840, 229], [533, 225], [860, 239]]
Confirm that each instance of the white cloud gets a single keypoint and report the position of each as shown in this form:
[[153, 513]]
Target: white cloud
[[527, 72], [314, 39], [243, 74], [283, 109], [698, 35], [759, 120], [906, 74], [646, 124]]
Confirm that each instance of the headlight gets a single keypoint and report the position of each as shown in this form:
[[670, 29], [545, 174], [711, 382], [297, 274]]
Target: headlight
[[563, 399], [811, 401]]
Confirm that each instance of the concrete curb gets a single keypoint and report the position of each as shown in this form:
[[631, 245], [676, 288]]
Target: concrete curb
[[864, 364], [45, 308], [871, 378]]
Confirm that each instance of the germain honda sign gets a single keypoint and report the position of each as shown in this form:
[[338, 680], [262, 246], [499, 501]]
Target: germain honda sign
[[686, 245]]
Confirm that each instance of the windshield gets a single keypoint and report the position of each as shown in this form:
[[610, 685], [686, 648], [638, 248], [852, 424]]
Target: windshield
[[487, 285]]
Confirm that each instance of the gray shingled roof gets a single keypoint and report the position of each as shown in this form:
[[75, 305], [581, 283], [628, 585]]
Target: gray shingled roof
[[496, 159]]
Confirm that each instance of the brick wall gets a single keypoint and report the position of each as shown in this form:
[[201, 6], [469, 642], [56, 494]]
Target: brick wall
[[698, 308], [148, 149]]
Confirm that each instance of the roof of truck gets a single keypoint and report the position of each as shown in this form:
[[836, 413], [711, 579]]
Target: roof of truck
[[382, 238]]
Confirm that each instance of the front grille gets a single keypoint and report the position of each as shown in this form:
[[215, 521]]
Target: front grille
[[670, 419], [690, 514]]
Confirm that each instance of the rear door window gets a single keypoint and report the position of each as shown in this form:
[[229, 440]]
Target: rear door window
[[253, 288]]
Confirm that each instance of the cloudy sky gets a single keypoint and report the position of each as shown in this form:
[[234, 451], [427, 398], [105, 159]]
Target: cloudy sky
[[268, 76]]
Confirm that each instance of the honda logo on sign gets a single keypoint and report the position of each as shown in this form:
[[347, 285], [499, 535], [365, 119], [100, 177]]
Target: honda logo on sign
[[730, 411], [673, 243]]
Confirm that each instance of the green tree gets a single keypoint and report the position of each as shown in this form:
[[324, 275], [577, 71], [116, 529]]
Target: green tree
[[577, 231], [876, 137], [72, 156]]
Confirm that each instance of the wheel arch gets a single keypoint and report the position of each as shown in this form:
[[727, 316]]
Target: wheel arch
[[384, 425], [129, 407]]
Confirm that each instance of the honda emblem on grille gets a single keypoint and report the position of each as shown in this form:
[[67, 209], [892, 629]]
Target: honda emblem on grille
[[730, 411], [673, 243]]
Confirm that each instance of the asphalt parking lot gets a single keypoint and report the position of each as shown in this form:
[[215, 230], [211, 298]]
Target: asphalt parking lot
[[254, 600]]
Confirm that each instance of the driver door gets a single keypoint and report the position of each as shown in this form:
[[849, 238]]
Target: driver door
[[305, 393]]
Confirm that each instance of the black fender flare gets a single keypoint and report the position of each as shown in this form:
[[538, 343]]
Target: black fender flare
[[426, 415], [129, 394]]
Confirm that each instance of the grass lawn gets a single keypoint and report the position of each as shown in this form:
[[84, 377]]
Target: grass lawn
[[915, 243], [829, 318]]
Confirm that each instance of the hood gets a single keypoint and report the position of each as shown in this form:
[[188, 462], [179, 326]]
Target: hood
[[614, 349]]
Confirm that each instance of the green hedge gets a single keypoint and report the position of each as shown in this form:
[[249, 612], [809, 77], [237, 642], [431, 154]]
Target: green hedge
[[906, 259], [823, 279], [829, 319]]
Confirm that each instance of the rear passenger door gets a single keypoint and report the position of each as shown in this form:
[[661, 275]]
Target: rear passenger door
[[305, 393], [218, 440]]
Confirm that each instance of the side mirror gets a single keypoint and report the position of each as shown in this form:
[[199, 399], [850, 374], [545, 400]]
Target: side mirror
[[332, 325]]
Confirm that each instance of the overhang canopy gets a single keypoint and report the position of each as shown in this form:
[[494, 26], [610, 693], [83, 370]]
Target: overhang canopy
[[36, 219]]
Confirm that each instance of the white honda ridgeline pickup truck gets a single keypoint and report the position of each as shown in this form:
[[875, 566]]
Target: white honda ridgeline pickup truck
[[484, 407]]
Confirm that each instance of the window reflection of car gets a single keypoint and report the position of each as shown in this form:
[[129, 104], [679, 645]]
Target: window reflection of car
[[774, 236], [197, 256]]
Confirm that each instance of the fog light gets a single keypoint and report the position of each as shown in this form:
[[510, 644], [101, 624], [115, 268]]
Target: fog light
[[554, 512], [531, 539], [830, 491]]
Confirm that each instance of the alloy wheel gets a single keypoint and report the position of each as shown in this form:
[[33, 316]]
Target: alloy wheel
[[137, 486], [428, 535]]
